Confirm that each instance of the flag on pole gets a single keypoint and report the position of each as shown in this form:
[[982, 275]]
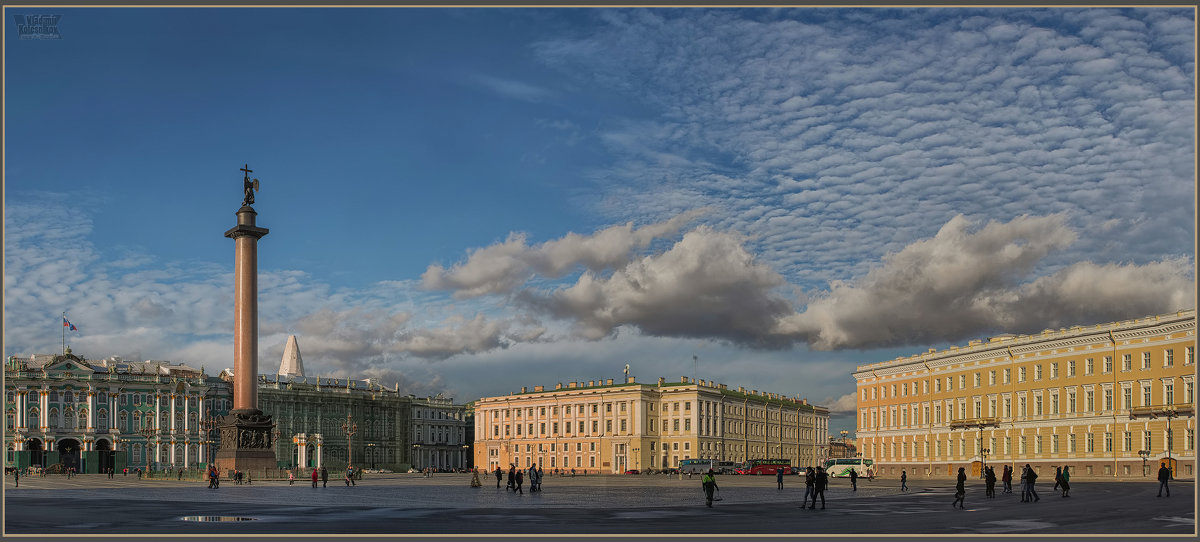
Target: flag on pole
[[69, 325]]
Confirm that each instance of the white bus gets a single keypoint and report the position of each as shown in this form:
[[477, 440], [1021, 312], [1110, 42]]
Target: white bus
[[840, 467]]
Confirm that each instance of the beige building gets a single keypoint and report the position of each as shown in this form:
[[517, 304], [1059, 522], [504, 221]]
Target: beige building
[[1112, 400], [602, 427]]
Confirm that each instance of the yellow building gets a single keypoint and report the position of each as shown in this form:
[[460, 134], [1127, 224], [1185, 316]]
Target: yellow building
[[1110, 400], [602, 427]]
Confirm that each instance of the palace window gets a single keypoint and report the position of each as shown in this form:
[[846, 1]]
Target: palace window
[[1091, 446], [1053, 444], [1020, 374], [1037, 372], [962, 382], [1127, 362], [1169, 393], [1146, 395], [1168, 357], [1070, 368], [1108, 399], [1089, 401], [977, 380], [1037, 444], [1145, 360], [1146, 441], [1037, 405], [1071, 402], [1054, 370], [1054, 402], [1126, 396], [1108, 442], [1007, 375], [1189, 355], [1108, 368], [1089, 366], [1021, 406], [1127, 442]]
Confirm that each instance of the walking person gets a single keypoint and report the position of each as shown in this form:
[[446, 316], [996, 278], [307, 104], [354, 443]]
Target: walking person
[[1164, 475], [1006, 477], [1025, 484], [779, 478], [810, 478], [989, 481], [533, 478], [17, 477], [709, 484], [314, 477], [853, 479], [1066, 481], [1030, 478], [475, 478], [903, 481], [324, 477], [960, 489], [350, 475], [512, 477], [1057, 478], [520, 480], [819, 483], [498, 476], [291, 477]]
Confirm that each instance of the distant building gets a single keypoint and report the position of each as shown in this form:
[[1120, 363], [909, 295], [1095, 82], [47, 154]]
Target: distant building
[[1111, 400], [65, 411], [602, 427]]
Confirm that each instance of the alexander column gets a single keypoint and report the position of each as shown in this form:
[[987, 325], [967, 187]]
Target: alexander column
[[247, 441]]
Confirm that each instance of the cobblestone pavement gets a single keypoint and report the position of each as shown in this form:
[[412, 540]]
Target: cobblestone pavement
[[445, 504]]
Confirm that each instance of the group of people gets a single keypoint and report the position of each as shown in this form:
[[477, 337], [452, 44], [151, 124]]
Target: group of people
[[516, 478]]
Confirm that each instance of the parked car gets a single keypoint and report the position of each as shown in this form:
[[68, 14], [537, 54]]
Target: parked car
[[632, 471]]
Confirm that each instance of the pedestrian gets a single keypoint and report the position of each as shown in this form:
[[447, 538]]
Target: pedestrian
[[512, 477], [1025, 484], [819, 483], [180, 474], [1057, 478], [853, 479], [498, 476], [248, 480], [475, 478], [542, 476], [1066, 481], [520, 480], [17, 477], [125, 471], [291, 477], [1030, 478], [779, 478], [350, 475], [1006, 477], [324, 477], [903, 480], [709, 484], [809, 479], [989, 480], [960, 489], [314, 477], [1164, 475]]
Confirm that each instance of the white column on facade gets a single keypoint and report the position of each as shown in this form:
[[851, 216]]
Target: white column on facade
[[157, 411], [319, 450], [186, 402], [173, 398], [21, 410], [186, 450], [44, 409], [91, 406], [301, 450], [112, 410]]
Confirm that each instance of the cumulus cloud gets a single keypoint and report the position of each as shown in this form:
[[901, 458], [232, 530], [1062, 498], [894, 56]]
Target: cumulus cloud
[[706, 285], [962, 283], [502, 267], [845, 403]]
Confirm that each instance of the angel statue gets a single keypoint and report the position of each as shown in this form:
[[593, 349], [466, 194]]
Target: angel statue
[[250, 186]]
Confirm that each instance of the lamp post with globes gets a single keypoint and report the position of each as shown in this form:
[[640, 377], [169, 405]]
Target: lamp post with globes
[[147, 432], [371, 452], [349, 428]]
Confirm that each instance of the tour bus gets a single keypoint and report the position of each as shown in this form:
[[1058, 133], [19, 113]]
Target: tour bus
[[697, 466], [765, 466], [701, 466], [840, 467]]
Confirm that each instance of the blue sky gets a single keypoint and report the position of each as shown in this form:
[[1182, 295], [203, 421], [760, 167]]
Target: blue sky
[[473, 200]]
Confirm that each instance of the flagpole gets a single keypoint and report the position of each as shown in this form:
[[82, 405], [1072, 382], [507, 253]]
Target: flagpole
[[64, 327]]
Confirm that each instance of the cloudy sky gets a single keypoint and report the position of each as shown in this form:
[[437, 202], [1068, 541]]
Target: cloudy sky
[[469, 201]]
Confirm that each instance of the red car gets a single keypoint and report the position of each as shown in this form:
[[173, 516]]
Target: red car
[[632, 471]]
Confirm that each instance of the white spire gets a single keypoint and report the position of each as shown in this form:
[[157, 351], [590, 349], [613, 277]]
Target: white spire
[[292, 365]]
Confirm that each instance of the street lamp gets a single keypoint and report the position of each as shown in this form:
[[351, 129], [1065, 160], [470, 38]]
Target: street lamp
[[416, 453], [1145, 455], [983, 453], [350, 428], [371, 450], [147, 432], [209, 424]]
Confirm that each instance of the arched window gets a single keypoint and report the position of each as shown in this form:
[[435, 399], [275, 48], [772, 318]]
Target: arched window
[[68, 421], [102, 418], [67, 398], [123, 421], [192, 421], [164, 420], [54, 421], [137, 420], [82, 421], [33, 415], [11, 418]]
